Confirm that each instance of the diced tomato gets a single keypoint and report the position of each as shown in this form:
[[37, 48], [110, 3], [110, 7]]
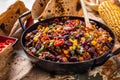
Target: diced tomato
[[2, 45], [7, 42], [59, 42], [74, 23], [44, 38], [31, 53]]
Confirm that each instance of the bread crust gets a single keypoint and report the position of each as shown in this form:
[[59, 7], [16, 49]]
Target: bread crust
[[9, 17]]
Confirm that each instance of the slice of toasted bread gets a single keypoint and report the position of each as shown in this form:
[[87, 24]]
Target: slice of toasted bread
[[9, 17]]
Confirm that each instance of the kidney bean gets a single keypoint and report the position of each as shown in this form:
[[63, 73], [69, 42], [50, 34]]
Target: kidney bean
[[34, 31], [50, 36], [95, 55], [108, 44], [63, 59], [49, 57], [86, 47], [66, 37], [52, 51], [28, 35], [73, 59], [29, 43], [37, 46], [68, 43], [91, 50]]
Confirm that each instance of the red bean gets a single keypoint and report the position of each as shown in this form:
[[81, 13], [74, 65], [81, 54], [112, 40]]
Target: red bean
[[73, 59]]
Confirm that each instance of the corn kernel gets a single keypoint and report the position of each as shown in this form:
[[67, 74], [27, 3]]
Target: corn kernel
[[93, 42], [75, 42], [40, 57], [101, 52], [54, 30], [87, 34], [81, 58], [82, 39], [70, 47], [46, 30], [52, 40], [109, 39], [35, 39], [65, 52]]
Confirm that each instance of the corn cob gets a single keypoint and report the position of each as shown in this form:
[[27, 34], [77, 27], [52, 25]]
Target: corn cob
[[110, 13]]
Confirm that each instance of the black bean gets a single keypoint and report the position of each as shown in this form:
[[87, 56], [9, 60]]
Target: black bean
[[73, 59]]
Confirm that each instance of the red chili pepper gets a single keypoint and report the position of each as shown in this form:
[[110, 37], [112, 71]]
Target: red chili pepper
[[0, 49], [44, 38], [31, 53], [2, 45], [59, 42], [9, 41]]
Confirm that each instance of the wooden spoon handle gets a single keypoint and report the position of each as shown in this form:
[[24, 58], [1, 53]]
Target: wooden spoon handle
[[85, 14]]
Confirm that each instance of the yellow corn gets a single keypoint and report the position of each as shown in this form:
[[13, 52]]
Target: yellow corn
[[93, 42], [35, 39], [87, 34], [110, 13], [65, 52], [46, 29], [110, 39]]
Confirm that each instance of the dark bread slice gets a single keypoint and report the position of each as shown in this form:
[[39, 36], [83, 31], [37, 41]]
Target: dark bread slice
[[9, 17]]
